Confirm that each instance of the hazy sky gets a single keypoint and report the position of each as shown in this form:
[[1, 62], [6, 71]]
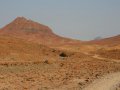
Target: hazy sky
[[80, 19]]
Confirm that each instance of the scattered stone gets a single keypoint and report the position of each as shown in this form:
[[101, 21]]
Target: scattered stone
[[46, 62]]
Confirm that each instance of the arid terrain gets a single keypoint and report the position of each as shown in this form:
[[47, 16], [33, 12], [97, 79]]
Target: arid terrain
[[32, 57]]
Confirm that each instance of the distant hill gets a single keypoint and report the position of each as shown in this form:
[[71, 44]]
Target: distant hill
[[98, 38], [107, 41]]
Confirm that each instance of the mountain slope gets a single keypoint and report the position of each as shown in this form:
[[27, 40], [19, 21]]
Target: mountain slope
[[33, 31], [18, 50]]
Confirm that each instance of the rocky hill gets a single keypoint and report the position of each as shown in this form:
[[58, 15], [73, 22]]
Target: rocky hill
[[35, 32]]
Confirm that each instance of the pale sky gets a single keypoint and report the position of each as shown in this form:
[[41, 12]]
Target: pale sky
[[79, 19]]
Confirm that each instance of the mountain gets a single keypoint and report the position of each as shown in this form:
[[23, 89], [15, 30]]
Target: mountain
[[98, 38], [35, 32], [38, 33], [115, 40]]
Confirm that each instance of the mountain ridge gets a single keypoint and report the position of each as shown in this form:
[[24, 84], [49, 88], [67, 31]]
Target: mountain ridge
[[35, 32]]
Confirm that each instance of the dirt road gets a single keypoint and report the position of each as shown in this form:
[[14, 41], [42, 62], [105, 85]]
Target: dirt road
[[108, 82], [102, 58]]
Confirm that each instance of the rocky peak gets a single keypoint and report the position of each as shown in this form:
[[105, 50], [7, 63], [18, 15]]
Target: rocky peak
[[23, 24]]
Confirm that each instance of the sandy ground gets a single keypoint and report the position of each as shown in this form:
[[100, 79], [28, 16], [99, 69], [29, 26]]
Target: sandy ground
[[68, 74], [108, 82], [30, 66]]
